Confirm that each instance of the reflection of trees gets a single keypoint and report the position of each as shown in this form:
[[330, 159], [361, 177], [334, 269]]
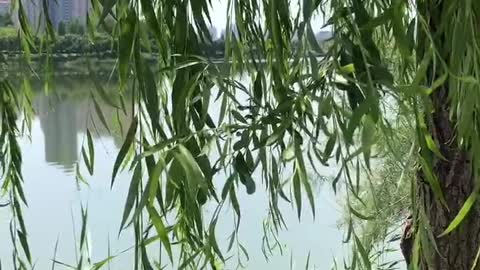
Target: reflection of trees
[[68, 111]]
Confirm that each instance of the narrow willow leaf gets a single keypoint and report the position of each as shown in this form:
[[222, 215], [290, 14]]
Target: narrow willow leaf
[[227, 186], [155, 180], [368, 138], [186, 263], [433, 146], [91, 151], [83, 231], [307, 265], [151, 96], [161, 230], [355, 120], [300, 163], [146, 265], [193, 173], [475, 262], [257, 87], [24, 243], [124, 149], [212, 239], [297, 193], [107, 9], [277, 134], [467, 206], [359, 215], [125, 45], [99, 113], [151, 18], [289, 153], [399, 28], [422, 69], [100, 90], [363, 253], [329, 147], [234, 201], [312, 40], [86, 161], [244, 173], [132, 194], [432, 181], [100, 264], [440, 81], [347, 69]]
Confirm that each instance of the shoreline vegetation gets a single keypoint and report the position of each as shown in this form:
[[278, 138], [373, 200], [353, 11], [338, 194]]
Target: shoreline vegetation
[[76, 44]]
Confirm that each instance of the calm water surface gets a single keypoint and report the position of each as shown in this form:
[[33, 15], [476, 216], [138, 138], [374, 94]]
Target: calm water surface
[[55, 199]]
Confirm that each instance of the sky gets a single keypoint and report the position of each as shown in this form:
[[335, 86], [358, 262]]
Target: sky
[[218, 15]]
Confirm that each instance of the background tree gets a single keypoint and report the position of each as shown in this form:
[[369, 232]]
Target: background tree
[[76, 27], [5, 20], [62, 28]]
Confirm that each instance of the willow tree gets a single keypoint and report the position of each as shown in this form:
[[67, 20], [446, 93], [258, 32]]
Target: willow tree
[[298, 109]]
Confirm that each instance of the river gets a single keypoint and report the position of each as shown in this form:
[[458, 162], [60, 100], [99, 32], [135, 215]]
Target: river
[[55, 198]]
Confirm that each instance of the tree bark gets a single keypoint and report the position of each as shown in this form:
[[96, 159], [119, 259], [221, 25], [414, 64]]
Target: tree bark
[[458, 249]]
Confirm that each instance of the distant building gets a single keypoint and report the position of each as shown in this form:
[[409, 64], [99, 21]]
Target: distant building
[[4, 6], [58, 10]]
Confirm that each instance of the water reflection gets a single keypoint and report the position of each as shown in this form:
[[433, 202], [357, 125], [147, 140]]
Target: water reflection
[[68, 112], [58, 121], [53, 196]]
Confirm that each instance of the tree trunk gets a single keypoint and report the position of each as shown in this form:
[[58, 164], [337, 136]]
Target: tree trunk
[[458, 249]]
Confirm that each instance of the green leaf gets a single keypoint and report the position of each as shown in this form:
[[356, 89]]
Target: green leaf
[[132, 194], [239, 117], [155, 180], [244, 172], [151, 18], [83, 232], [467, 206], [432, 181], [212, 239], [347, 69], [300, 163], [227, 186], [277, 134], [124, 149], [359, 215], [125, 45], [91, 151], [99, 113], [24, 243], [257, 87], [329, 147], [297, 193], [234, 201], [312, 40], [355, 119], [100, 264], [193, 173], [289, 153], [368, 138], [107, 9], [433, 146], [363, 253], [161, 230]]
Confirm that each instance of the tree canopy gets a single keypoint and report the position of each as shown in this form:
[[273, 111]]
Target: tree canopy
[[417, 59]]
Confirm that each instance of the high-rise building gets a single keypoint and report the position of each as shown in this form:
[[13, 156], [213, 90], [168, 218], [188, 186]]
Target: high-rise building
[[58, 10], [4, 6]]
